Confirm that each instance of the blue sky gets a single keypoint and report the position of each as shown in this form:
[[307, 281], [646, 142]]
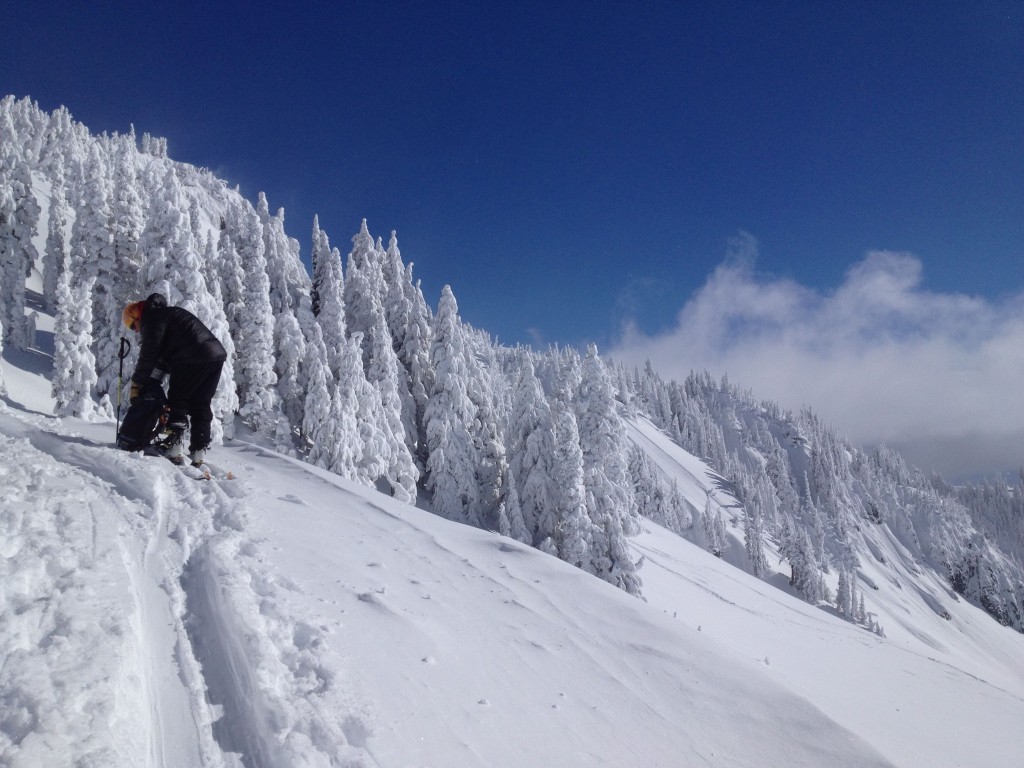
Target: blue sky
[[572, 169]]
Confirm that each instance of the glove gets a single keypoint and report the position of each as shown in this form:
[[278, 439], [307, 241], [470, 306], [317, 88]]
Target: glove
[[135, 391]]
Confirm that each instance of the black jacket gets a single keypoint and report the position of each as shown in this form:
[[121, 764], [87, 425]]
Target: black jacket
[[171, 337]]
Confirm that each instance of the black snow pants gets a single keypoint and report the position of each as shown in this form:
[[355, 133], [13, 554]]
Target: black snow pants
[[189, 394]]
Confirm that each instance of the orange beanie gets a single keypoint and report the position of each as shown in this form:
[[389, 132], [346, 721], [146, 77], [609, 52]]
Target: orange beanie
[[132, 314]]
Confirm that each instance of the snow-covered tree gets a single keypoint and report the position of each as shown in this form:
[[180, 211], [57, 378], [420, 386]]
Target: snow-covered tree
[[357, 392], [714, 528], [363, 303], [491, 465], [322, 272], [55, 256], [574, 534], [317, 427], [255, 332], [753, 541], [844, 596], [532, 450], [449, 416], [290, 345], [606, 479], [74, 366], [408, 319], [19, 215]]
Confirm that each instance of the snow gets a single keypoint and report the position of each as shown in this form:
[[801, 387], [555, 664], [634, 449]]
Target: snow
[[292, 618]]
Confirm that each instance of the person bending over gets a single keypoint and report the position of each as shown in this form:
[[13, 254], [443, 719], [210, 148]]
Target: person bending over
[[174, 341]]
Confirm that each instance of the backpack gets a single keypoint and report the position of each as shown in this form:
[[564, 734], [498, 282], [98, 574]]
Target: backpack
[[146, 417]]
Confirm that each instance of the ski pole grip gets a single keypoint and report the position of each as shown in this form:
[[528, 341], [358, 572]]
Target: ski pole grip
[[126, 347]]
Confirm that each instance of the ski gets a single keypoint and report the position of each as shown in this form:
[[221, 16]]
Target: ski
[[215, 472], [196, 473], [204, 471]]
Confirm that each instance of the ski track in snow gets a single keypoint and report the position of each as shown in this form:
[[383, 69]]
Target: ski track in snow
[[166, 563]]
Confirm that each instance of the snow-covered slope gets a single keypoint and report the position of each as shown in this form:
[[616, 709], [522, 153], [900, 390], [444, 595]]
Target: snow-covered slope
[[288, 617], [917, 695]]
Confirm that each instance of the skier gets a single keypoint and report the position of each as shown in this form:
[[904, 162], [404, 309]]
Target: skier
[[175, 342]]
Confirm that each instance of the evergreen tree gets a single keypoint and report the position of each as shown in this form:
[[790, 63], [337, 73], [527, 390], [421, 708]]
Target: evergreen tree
[[491, 466], [346, 439], [19, 215], [366, 320], [532, 439], [92, 254], [383, 377], [844, 596], [356, 391], [291, 352], [74, 376], [609, 502], [255, 333], [449, 414], [753, 539], [796, 547], [225, 400], [230, 277], [679, 516], [362, 291], [514, 514], [128, 219], [647, 488], [573, 529], [317, 427], [319, 255], [55, 256], [289, 289]]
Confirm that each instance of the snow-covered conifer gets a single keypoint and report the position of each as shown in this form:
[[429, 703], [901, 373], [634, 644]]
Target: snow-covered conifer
[[714, 543], [449, 416], [316, 427], [351, 443], [255, 332], [532, 452], [356, 392], [92, 256], [679, 516], [514, 513], [328, 287], [225, 401], [290, 346], [409, 325], [55, 256], [753, 540], [321, 251], [19, 215], [485, 392], [573, 528], [74, 366], [383, 376], [606, 478], [128, 218], [844, 596], [364, 280], [647, 487]]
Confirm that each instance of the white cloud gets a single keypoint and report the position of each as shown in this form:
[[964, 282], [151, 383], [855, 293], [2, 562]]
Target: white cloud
[[941, 375]]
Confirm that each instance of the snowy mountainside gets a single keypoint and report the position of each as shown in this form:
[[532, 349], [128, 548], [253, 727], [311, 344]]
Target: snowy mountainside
[[811, 496], [291, 617], [356, 373]]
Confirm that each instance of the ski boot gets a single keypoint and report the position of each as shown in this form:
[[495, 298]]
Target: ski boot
[[197, 457], [171, 446]]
